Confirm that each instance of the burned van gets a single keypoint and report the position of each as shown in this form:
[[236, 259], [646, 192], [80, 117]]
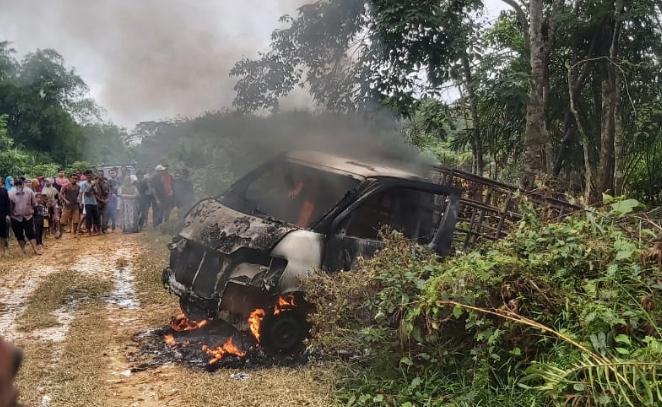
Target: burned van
[[251, 247]]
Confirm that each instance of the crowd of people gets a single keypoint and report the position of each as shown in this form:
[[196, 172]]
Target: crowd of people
[[88, 202]]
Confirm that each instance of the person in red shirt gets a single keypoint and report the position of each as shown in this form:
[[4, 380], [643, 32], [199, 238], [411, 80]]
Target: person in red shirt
[[61, 181], [161, 184]]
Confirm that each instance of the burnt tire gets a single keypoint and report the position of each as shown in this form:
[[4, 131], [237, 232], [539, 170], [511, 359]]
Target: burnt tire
[[285, 332], [192, 310]]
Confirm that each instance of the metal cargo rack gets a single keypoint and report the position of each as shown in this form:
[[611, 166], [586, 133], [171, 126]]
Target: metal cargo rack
[[490, 209]]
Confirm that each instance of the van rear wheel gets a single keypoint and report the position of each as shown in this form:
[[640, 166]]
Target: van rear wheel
[[285, 332]]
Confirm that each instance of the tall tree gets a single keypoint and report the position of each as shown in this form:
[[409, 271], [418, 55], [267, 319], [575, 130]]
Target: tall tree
[[355, 55], [541, 29]]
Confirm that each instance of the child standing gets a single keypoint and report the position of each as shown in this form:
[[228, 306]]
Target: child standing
[[40, 215]]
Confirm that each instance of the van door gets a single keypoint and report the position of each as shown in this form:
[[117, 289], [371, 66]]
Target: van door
[[418, 210]]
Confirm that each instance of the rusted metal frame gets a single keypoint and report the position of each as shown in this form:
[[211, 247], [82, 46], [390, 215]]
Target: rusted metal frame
[[481, 225], [471, 227], [505, 211]]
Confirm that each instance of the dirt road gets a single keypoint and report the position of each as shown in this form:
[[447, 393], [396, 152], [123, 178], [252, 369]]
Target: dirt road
[[76, 310]]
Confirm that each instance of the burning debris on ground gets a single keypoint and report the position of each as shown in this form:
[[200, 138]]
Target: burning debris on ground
[[214, 344]]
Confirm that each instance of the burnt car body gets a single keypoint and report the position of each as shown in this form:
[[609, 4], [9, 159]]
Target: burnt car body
[[301, 212]]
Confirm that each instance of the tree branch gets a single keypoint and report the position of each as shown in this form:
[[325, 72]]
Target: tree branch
[[521, 17], [588, 168]]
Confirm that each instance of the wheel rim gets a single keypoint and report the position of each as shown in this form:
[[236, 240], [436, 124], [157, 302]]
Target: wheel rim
[[286, 331]]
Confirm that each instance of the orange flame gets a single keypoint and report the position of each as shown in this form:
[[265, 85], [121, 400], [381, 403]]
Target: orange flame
[[285, 303], [169, 340], [218, 353], [180, 323], [254, 322]]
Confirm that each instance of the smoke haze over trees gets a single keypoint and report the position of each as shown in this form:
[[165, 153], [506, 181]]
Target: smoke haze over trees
[[538, 85], [149, 59]]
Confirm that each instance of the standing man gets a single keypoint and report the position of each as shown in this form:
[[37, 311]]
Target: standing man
[[51, 194], [161, 184], [71, 213], [23, 201], [92, 218], [61, 181], [102, 192], [5, 207]]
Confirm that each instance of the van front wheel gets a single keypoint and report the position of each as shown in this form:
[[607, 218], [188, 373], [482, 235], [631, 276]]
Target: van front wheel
[[285, 332]]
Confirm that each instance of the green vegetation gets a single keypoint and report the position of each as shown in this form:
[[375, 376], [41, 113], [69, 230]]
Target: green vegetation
[[47, 121], [556, 313]]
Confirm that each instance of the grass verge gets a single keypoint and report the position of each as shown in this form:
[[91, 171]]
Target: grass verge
[[57, 290], [82, 367], [310, 386]]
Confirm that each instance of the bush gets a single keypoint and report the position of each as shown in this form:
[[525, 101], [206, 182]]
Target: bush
[[558, 313]]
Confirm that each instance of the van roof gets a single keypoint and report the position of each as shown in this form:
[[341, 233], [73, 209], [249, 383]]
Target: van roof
[[351, 166]]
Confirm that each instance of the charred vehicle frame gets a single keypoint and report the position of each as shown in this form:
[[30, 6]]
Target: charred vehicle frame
[[307, 211], [301, 212]]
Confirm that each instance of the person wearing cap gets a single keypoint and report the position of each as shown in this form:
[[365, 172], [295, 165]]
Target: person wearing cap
[[161, 185]]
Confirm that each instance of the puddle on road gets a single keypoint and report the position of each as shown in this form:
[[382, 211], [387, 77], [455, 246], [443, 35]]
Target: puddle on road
[[117, 267], [123, 295]]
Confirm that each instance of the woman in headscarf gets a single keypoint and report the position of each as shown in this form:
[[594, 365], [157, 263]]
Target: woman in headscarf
[[9, 183], [35, 186], [129, 202]]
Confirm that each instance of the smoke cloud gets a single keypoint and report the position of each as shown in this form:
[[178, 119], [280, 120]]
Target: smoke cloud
[[150, 59]]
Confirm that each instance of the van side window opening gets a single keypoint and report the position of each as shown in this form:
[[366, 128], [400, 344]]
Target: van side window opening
[[294, 193], [413, 213]]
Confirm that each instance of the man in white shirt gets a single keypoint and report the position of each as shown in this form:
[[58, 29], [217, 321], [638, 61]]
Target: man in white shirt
[[23, 201]]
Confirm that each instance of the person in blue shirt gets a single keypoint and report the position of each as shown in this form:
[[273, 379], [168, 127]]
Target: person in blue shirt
[[92, 216]]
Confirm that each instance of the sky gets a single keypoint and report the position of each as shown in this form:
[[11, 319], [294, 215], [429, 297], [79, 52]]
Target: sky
[[153, 59]]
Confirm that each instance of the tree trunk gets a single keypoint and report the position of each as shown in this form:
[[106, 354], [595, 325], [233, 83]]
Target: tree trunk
[[617, 103], [610, 103], [589, 191], [618, 139], [535, 138], [473, 106], [606, 137], [569, 126]]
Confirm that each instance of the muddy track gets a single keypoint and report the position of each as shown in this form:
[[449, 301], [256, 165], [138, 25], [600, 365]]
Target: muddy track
[[72, 365]]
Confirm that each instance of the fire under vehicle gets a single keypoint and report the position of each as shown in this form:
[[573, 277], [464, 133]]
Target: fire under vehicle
[[250, 248]]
